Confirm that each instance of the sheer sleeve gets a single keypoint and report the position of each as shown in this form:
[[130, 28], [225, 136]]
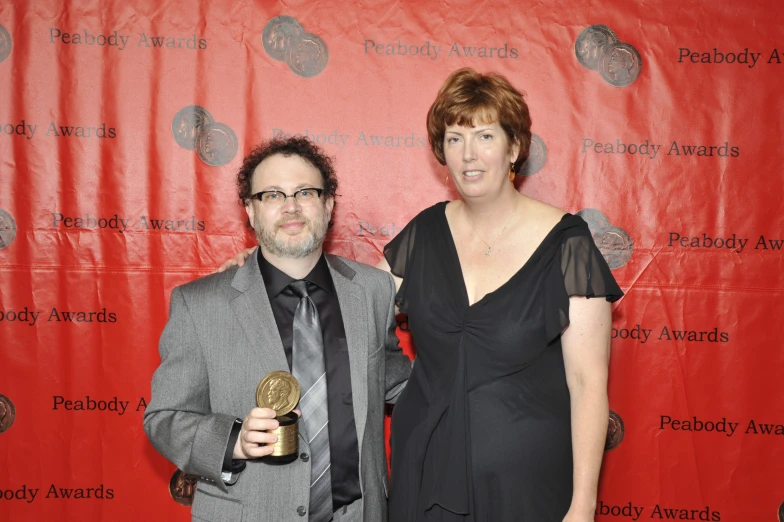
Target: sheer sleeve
[[399, 254], [580, 271], [585, 272]]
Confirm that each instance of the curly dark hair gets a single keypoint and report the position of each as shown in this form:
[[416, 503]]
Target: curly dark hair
[[293, 146]]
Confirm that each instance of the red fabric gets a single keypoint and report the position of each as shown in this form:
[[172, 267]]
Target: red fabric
[[367, 104]]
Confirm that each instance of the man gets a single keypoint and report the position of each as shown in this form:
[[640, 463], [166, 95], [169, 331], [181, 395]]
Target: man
[[291, 308]]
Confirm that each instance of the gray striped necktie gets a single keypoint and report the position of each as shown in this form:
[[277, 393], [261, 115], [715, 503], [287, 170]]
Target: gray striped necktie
[[307, 365]]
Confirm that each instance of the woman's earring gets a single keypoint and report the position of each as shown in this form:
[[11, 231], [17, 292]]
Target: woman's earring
[[512, 173]]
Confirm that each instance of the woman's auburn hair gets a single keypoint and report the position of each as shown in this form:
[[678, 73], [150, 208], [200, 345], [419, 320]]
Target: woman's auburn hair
[[468, 97]]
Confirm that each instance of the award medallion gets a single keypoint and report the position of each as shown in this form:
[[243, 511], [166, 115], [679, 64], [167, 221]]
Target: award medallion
[[280, 391]]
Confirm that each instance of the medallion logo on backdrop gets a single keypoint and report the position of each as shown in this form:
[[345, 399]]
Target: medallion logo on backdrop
[[7, 413], [615, 431], [537, 156], [285, 39], [432, 51], [6, 44], [597, 48], [115, 40], [182, 487], [194, 128], [7, 229], [613, 242]]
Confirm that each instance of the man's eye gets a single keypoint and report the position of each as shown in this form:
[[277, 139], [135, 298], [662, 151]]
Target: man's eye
[[273, 195]]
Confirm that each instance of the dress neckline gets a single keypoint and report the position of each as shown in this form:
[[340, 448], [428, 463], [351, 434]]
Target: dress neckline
[[456, 258]]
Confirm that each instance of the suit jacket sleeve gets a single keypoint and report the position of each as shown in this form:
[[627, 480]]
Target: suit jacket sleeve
[[398, 365], [179, 421]]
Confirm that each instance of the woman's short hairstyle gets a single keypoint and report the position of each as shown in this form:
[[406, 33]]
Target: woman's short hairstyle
[[468, 97]]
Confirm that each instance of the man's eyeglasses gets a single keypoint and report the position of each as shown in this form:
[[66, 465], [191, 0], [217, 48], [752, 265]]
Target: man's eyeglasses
[[303, 196]]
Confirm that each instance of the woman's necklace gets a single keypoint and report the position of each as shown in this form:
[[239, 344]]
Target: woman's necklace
[[489, 250]]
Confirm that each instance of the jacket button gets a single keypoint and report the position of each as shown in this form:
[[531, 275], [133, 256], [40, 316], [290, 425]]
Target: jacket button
[[301, 511], [304, 456]]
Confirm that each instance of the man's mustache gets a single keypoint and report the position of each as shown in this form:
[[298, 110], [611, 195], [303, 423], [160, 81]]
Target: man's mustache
[[295, 217]]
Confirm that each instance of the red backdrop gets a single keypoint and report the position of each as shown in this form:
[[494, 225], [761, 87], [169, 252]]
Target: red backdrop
[[660, 123]]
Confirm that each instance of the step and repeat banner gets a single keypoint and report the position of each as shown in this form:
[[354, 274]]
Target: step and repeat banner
[[122, 126]]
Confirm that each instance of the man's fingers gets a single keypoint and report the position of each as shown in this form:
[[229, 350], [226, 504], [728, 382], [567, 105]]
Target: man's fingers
[[255, 443], [260, 437], [242, 256], [255, 439], [261, 424], [262, 413], [254, 451], [238, 260], [224, 266]]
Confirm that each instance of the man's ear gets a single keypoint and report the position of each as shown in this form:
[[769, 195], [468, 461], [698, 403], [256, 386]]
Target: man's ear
[[330, 204], [251, 212]]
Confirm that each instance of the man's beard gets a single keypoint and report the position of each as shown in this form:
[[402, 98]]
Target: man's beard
[[293, 247]]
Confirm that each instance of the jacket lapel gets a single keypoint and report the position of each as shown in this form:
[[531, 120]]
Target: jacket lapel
[[253, 310], [354, 311]]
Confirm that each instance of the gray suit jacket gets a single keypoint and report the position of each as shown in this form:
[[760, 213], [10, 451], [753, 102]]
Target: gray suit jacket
[[220, 341]]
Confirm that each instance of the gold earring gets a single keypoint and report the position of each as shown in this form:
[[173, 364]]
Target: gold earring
[[512, 173]]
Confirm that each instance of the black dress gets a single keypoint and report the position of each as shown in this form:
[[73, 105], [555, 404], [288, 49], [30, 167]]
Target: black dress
[[482, 430]]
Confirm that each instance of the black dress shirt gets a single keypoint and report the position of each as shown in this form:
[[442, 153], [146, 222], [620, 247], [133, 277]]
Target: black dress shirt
[[343, 445]]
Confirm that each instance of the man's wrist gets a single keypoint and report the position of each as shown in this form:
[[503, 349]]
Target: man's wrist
[[231, 467]]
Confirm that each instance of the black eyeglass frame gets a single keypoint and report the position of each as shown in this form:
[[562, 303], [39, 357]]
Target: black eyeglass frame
[[259, 195]]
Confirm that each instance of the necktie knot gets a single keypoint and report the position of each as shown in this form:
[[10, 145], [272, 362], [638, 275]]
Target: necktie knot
[[300, 288]]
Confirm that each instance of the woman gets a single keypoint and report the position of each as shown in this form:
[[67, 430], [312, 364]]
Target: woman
[[505, 414]]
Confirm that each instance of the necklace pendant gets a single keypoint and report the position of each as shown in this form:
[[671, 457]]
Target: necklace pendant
[[487, 252]]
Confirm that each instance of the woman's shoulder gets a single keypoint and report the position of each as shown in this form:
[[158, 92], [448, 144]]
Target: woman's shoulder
[[543, 218], [546, 224], [553, 218], [544, 212], [422, 225], [430, 214], [437, 208]]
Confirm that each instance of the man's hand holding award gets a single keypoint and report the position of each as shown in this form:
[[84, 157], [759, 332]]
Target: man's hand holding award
[[270, 430]]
